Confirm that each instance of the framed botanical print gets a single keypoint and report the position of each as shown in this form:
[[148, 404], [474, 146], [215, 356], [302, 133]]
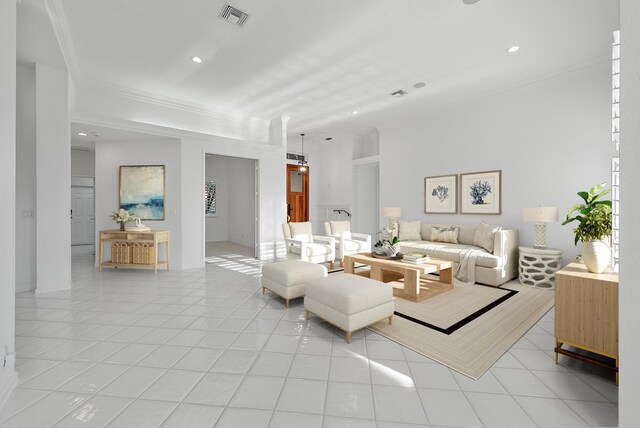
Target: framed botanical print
[[142, 190], [481, 192], [441, 194]]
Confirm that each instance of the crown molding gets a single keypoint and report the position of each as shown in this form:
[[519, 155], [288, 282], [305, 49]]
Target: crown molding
[[279, 121], [58, 19]]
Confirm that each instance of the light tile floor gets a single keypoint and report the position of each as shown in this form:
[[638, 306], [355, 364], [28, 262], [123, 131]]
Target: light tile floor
[[205, 347]]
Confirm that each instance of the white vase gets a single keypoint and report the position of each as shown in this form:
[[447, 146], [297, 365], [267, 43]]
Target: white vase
[[596, 255]]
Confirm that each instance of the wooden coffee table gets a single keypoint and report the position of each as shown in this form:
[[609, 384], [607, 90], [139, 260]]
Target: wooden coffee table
[[407, 279]]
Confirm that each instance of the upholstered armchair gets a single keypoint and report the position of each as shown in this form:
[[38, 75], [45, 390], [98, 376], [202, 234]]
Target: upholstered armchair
[[299, 240], [347, 242]]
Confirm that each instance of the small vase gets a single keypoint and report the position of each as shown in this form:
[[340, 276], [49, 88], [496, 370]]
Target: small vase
[[121, 227], [596, 255]]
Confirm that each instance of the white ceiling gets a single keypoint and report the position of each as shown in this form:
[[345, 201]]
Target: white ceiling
[[316, 61]]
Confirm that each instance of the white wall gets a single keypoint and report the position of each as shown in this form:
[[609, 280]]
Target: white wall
[[550, 140], [217, 228], [83, 163], [110, 156], [242, 211], [53, 180], [26, 179], [330, 180], [8, 377], [629, 296]]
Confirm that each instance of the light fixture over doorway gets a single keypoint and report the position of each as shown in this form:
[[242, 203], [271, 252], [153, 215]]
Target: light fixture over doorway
[[302, 164]]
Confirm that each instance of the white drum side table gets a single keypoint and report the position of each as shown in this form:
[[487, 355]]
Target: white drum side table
[[538, 266]]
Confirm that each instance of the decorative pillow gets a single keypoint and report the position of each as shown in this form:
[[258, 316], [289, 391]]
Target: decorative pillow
[[341, 228], [485, 236], [301, 231], [409, 231], [448, 234]]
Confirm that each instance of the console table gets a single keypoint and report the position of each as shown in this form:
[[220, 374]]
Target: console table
[[587, 313], [134, 249]]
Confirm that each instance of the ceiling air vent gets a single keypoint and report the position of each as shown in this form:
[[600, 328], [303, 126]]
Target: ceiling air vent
[[398, 94], [233, 15]]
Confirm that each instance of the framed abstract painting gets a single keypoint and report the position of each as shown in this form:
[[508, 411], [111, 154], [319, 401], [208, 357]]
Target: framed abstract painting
[[481, 192], [142, 190], [441, 194]]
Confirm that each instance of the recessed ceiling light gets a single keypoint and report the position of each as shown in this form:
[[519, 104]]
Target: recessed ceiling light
[[82, 134], [196, 59], [328, 139], [514, 48], [470, 1], [419, 85], [354, 112]]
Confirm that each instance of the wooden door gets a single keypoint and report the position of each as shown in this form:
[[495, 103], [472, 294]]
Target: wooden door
[[297, 195]]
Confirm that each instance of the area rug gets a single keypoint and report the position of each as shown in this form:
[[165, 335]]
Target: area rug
[[470, 327]]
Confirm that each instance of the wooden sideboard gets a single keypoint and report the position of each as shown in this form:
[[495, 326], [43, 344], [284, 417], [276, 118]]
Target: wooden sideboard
[[145, 244], [586, 314]]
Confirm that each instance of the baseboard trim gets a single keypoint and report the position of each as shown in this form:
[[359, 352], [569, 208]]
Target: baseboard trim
[[8, 382]]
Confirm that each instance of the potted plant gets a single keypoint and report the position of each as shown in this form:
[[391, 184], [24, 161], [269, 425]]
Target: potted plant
[[594, 226]]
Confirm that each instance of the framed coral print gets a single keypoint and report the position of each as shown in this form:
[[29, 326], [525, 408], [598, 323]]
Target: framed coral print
[[142, 190], [441, 194], [481, 192]]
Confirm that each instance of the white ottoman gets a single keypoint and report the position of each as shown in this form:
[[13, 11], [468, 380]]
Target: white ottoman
[[288, 278], [350, 302]]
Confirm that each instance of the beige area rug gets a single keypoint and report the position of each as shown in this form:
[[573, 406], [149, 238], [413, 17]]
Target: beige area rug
[[470, 327]]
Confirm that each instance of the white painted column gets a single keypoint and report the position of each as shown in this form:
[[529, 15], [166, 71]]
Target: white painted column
[[629, 292], [53, 180], [8, 377]]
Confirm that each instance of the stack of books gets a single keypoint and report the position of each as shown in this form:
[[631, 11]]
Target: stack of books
[[415, 258]]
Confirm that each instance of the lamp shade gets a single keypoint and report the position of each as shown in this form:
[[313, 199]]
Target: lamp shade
[[540, 214], [393, 212]]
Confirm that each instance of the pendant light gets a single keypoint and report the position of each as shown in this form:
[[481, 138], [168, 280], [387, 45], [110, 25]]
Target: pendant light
[[302, 164]]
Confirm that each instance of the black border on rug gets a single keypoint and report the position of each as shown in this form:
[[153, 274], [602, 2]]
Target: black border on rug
[[464, 321]]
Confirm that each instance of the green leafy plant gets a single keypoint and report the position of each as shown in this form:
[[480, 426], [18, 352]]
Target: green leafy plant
[[593, 216]]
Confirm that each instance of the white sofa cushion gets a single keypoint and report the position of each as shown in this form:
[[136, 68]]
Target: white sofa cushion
[[409, 230], [301, 231], [341, 229], [485, 236], [451, 252], [447, 234], [349, 294], [291, 272]]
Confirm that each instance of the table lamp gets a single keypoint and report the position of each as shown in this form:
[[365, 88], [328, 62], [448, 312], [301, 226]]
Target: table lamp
[[392, 213], [540, 216]]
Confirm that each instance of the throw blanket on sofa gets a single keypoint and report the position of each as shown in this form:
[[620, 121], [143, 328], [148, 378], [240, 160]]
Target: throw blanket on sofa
[[466, 271]]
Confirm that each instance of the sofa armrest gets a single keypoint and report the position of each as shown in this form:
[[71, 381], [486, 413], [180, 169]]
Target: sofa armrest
[[505, 246], [328, 240]]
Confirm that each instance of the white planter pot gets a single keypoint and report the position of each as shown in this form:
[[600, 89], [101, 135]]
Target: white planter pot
[[596, 255]]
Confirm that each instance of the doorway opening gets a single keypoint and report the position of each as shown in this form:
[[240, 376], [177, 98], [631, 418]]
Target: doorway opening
[[297, 194], [231, 207]]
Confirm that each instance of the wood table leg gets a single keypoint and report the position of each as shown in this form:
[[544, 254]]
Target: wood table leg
[[446, 275], [349, 265], [167, 253], [376, 273], [412, 283], [101, 251]]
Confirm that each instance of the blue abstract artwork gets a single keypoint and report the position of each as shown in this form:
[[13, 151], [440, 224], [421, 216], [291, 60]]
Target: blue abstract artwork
[[142, 191]]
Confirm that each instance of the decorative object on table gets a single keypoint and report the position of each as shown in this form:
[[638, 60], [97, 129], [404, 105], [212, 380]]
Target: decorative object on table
[[481, 192], [415, 258], [139, 227], [441, 194], [540, 216], [393, 213], [537, 267], [122, 216], [594, 226], [142, 188], [386, 247]]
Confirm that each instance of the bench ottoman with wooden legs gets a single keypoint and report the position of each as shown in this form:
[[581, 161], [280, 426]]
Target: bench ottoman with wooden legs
[[287, 279], [349, 302]]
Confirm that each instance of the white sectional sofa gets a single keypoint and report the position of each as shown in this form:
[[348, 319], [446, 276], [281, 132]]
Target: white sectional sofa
[[491, 268]]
